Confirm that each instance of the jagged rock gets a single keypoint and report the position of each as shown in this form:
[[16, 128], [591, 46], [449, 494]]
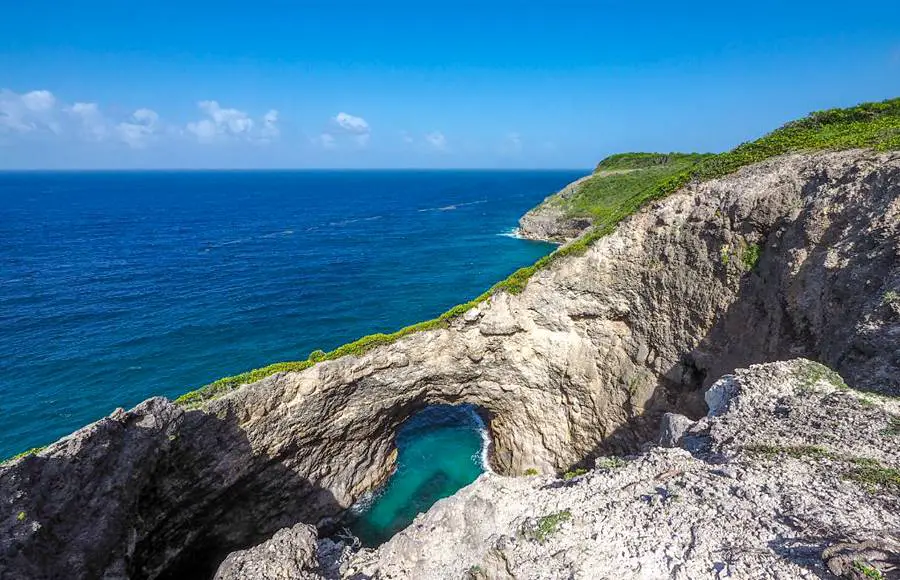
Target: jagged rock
[[864, 559], [672, 429], [582, 363], [745, 509], [289, 555]]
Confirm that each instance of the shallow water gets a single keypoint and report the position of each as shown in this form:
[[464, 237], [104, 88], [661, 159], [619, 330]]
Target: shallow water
[[439, 452]]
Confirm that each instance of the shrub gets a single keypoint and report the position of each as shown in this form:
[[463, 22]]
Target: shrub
[[574, 473], [548, 525], [531, 471], [316, 356]]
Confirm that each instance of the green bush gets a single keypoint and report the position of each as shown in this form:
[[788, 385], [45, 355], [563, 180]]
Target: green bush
[[574, 473], [548, 525]]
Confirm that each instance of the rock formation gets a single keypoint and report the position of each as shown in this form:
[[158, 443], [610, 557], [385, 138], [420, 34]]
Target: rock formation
[[549, 221], [796, 256], [788, 466]]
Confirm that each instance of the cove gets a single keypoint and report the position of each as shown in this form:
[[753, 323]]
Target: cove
[[440, 450]]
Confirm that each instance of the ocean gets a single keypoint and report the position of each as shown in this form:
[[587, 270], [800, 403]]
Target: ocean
[[117, 286]]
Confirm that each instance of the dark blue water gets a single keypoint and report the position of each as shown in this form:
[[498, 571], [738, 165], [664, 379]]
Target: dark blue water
[[118, 286]]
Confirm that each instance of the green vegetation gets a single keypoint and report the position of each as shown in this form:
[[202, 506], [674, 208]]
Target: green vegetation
[[873, 476], [476, 573], [810, 373], [609, 462], [548, 525], [890, 297], [893, 428], [21, 517], [531, 471], [623, 185], [32, 451], [633, 161], [750, 256], [574, 473], [868, 571]]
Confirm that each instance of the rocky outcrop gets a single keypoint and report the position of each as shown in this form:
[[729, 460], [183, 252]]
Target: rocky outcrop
[[783, 485], [550, 221], [791, 257], [291, 554]]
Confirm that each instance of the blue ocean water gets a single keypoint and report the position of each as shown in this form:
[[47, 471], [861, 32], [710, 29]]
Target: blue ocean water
[[122, 285], [439, 450]]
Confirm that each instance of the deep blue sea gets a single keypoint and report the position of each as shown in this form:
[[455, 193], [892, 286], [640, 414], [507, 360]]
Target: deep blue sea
[[118, 286]]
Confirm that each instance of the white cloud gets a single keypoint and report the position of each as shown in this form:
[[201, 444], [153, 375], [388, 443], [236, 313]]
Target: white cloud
[[93, 125], [437, 140], [325, 141], [29, 112], [407, 138], [39, 100], [232, 124], [138, 131], [352, 124], [41, 115]]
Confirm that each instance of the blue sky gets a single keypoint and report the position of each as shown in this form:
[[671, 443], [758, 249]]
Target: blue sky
[[196, 84]]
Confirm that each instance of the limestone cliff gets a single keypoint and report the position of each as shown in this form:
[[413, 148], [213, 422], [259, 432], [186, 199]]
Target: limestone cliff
[[795, 256]]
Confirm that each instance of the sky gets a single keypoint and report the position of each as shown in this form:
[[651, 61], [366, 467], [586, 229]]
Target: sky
[[294, 84]]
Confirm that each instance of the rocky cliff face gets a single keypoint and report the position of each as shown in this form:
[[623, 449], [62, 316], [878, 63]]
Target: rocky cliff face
[[549, 221], [797, 256]]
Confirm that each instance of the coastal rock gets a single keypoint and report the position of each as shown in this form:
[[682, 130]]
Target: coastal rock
[[745, 509], [548, 221], [289, 555], [582, 363], [672, 429]]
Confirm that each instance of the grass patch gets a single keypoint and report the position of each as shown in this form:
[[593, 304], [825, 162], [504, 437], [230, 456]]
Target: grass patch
[[609, 462], [608, 199], [29, 452], [867, 571], [574, 473], [548, 525], [874, 476], [531, 471], [810, 373], [893, 428]]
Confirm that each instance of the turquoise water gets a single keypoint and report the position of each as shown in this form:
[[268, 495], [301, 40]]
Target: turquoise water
[[116, 286], [439, 452]]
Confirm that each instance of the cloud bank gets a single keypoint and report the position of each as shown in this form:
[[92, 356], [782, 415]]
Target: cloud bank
[[39, 114]]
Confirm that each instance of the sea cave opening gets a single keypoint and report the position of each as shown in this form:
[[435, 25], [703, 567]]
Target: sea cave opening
[[440, 450]]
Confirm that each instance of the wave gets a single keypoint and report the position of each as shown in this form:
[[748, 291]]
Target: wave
[[513, 233], [354, 220], [281, 234], [485, 456], [453, 206]]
